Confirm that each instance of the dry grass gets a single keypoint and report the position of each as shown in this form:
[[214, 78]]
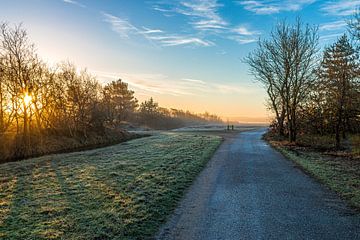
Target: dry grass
[[12, 147], [355, 145], [320, 142], [120, 192]]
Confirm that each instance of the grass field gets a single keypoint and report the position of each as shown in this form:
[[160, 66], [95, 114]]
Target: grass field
[[120, 192]]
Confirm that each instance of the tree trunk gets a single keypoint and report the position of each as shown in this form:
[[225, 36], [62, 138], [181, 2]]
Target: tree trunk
[[292, 125], [281, 122], [25, 127], [337, 129], [337, 137], [281, 128], [2, 125]]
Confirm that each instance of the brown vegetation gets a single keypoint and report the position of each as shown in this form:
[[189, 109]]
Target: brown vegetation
[[45, 109]]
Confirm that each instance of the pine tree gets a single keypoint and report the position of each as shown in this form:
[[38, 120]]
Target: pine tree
[[339, 73]]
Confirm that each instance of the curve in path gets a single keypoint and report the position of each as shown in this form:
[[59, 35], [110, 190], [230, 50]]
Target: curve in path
[[250, 191]]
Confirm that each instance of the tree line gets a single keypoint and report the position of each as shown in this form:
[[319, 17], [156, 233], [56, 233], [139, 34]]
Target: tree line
[[309, 91], [37, 100]]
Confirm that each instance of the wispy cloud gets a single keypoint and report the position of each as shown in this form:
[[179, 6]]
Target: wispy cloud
[[175, 40], [242, 30], [265, 7], [330, 37], [121, 26], [203, 14], [74, 3], [204, 17], [146, 83], [340, 7], [157, 83], [193, 80], [150, 31], [125, 30], [243, 35], [242, 40], [332, 26]]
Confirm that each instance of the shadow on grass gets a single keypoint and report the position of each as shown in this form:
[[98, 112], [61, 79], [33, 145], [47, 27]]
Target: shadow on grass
[[123, 191]]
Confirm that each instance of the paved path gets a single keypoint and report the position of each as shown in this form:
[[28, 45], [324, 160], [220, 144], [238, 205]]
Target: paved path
[[249, 191]]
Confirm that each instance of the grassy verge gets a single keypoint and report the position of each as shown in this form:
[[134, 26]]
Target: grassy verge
[[13, 149], [341, 174], [120, 192], [355, 145]]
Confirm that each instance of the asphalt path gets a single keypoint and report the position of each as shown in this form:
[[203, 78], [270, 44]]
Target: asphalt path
[[250, 191]]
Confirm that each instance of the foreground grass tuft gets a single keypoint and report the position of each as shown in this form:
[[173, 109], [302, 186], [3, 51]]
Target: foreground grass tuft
[[120, 192]]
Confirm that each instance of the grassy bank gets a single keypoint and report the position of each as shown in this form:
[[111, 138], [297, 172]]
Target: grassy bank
[[341, 173], [120, 192], [12, 146]]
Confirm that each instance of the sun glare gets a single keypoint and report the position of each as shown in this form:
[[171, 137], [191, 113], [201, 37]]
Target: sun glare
[[27, 99]]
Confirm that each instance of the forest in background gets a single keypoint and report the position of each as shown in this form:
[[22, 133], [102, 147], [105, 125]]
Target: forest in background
[[47, 109]]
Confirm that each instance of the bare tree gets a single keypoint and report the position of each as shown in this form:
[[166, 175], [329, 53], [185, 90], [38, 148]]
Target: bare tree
[[354, 25], [285, 65], [21, 64], [262, 67]]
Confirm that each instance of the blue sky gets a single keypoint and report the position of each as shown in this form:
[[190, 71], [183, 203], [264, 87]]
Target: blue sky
[[185, 53]]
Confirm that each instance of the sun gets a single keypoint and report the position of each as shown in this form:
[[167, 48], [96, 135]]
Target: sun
[[27, 99]]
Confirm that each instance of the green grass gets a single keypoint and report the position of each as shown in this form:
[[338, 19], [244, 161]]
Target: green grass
[[342, 175], [120, 192]]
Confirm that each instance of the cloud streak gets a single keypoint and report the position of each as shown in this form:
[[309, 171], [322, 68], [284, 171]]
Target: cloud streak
[[204, 17], [157, 83], [267, 7], [331, 37], [73, 2], [125, 30], [193, 80], [331, 26], [243, 35], [203, 13], [340, 8], [176, 40], [121, 26]]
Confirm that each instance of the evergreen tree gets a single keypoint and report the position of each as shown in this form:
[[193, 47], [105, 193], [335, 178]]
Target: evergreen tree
[[338, 74], [120, 101]]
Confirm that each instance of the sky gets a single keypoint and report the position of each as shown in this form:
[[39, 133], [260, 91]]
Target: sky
[[186, 54]]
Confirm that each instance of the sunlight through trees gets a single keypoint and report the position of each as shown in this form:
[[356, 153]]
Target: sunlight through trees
[[45, 109]]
